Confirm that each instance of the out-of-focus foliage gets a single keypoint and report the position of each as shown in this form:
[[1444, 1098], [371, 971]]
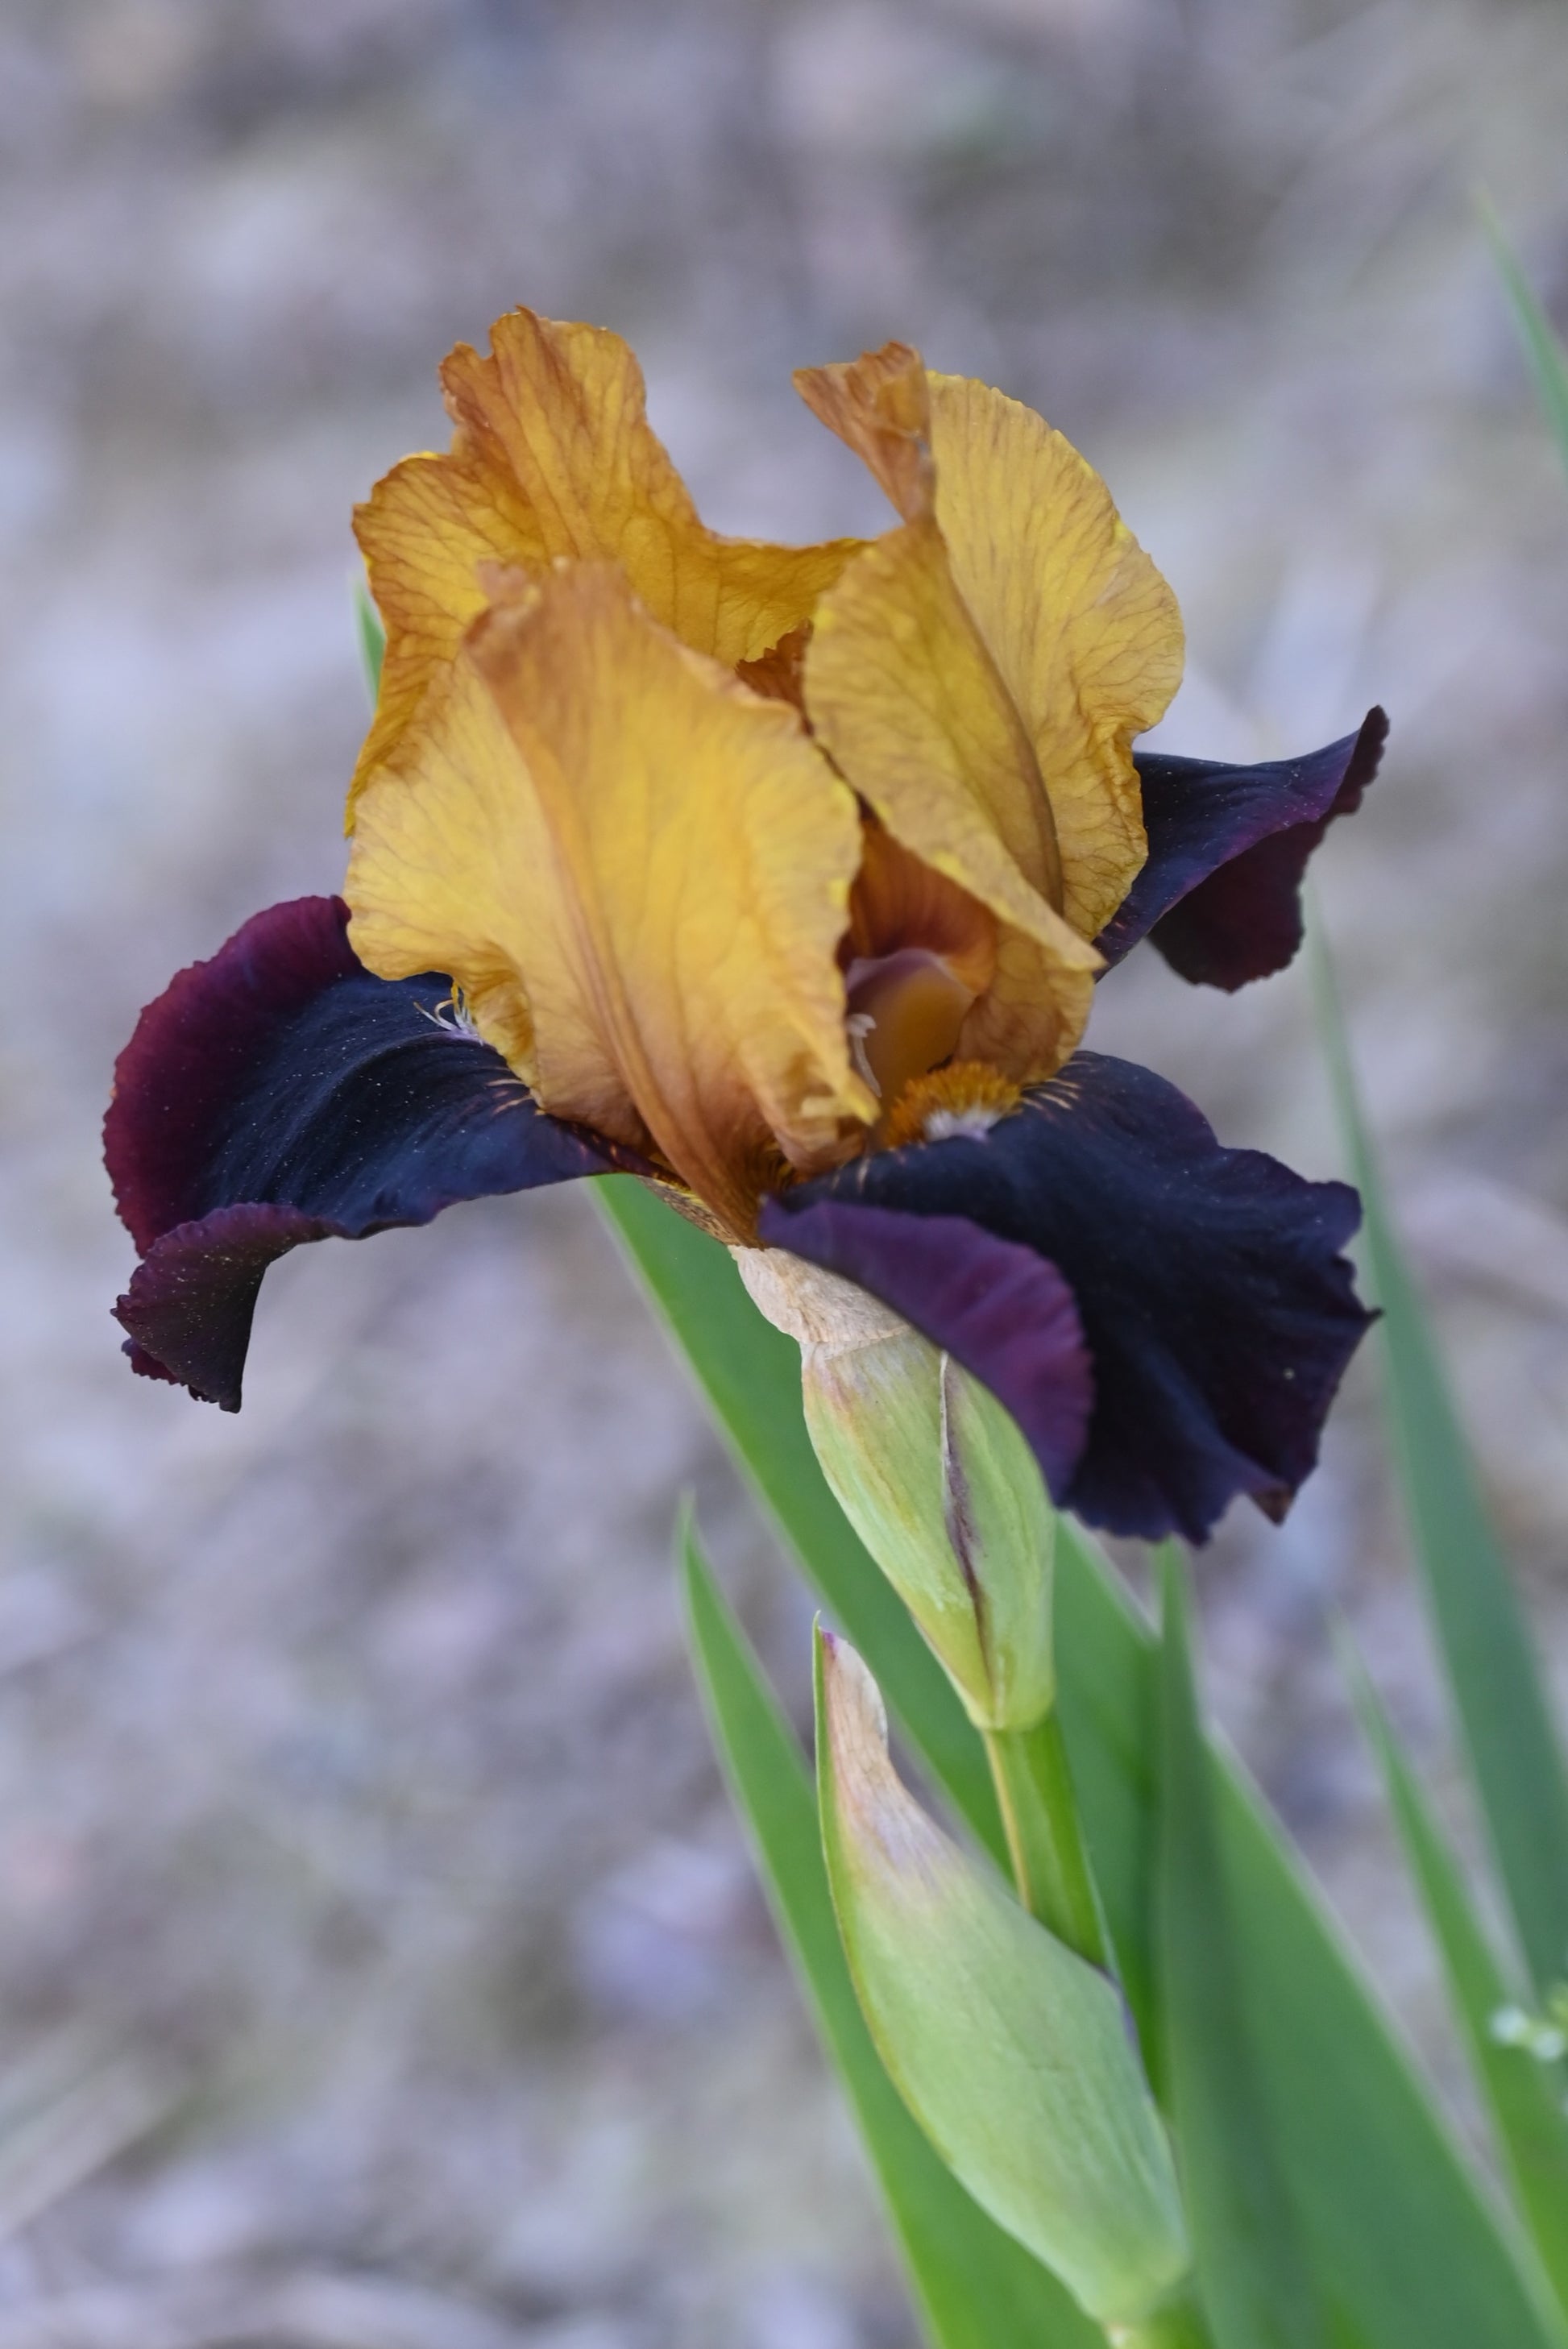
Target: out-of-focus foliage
[[1542, 344], [1502, 1710]]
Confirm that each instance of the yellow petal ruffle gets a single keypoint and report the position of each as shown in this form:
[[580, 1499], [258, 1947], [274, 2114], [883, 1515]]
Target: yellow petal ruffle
[[638, 872], [904, 694], [553, 456], [1017, 583]]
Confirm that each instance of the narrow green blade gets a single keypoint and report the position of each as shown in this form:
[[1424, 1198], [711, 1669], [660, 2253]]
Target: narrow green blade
[[978, 2288], [1403, 2240], [1548, 359], [371, 638], [1405, 2246], [750, 1374], [1525, 2097], [1491, 1664], [1252, 2269]]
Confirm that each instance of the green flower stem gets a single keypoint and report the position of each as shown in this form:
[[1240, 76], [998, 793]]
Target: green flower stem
[[1045, 1841], [1180, 2324]]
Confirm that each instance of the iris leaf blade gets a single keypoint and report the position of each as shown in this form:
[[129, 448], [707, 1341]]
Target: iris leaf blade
[[1489, 1659], [1403, 2240], [1525, 2098], [1252, 2269], [1404, 2243], [976, 2287], [1542, 347], [371, 638]]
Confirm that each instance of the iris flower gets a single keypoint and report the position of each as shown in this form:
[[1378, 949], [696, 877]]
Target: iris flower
[[781, 877]]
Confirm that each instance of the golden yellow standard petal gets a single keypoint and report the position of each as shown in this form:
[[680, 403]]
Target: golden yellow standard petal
[[1083, 629], [452, 855], [1079, 628], [553, 456], [904, 694], [639, 872]]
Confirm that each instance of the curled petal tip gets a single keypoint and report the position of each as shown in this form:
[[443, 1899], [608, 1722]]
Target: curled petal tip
[[1220, 893]]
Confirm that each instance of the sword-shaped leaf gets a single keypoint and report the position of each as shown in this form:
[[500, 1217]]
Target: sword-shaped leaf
[[371, 638], [1252, 2269], [1490, 1664], [1542, 347], [1524, 2094]]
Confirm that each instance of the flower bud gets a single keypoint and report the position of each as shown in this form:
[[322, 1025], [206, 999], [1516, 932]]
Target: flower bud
[[1011, 2052], [935, 1477]]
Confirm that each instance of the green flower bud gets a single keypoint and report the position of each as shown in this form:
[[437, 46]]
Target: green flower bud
[[1012, 2052], [935, 1477]]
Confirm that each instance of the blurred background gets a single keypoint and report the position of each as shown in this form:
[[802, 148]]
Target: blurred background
[[383, 1969]]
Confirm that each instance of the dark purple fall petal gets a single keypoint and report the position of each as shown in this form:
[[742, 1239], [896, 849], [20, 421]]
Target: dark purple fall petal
[[280, 1092], [1216, 1306], [997, 1308], [1220, 894]]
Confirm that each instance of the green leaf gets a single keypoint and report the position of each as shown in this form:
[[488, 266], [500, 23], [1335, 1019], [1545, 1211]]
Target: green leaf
[[978, 2288], [1404, 2244], [1252, 2269], [1525, 2097], [1488, 1656], [1548, 359], [750, 1374], [371, 638]]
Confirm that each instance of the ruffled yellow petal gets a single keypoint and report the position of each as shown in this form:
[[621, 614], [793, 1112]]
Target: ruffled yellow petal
[[553, 456], [904, 694], [1040, 583], [1082, 627], [639, 872]]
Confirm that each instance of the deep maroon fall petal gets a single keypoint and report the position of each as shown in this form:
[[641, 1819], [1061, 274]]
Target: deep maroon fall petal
[[1220, 893], [193, 1052], [192, 1297], [1000, 1309], [1216, 1306], [280, 1092]]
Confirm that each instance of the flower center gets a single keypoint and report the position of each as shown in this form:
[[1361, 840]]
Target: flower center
[[906, 1010], [964, 1098]]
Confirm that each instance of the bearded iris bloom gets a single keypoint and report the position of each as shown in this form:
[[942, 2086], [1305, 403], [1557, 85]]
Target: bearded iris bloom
[[781, 877]]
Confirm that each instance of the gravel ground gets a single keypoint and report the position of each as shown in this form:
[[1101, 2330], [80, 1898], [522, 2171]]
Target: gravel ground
[[384, 1970]]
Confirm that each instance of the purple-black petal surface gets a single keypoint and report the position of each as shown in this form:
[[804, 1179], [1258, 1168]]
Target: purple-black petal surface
[[280, 1092], [1216, 1306], [1220, 893]]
